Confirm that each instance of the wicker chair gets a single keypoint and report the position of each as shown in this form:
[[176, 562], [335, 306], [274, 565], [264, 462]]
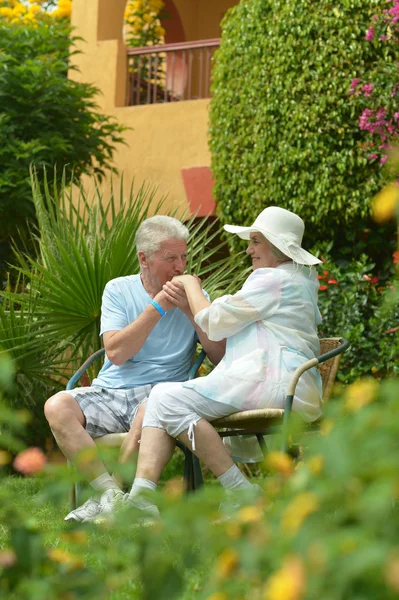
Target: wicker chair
[[259, 422]]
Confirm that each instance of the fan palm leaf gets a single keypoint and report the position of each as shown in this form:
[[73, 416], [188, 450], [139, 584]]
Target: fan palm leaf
[[84, 241]]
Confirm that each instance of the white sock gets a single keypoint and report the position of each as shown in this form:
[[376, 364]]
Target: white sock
[[104, 482], [233, 479], [137, 499]]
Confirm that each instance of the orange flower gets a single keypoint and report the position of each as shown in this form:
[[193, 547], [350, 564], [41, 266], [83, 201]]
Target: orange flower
[[7, 558], [30, 461]]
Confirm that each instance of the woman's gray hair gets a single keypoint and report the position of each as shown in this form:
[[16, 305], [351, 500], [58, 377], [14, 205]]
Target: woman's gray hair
[[155, 230], [277, 253]]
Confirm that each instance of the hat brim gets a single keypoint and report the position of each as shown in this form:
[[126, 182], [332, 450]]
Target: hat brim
[[292, 250]]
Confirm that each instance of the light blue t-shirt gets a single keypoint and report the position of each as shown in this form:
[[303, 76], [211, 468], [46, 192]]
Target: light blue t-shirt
[[167, 353]]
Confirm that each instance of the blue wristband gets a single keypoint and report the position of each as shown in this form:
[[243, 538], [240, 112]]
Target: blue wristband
[[159, 308]]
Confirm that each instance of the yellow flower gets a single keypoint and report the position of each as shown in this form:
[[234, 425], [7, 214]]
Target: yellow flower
[[233, 530], [159, 31], [326, 427], [64, 9], [6, 11], [249, 514], [5, 458], [296, 512], [392, 571], [385, 202], [361, 393], [147, 18], [64, 557], [19, 9], [78, 537], [34, 9], [86, 457], [316, 464], [155, 5], [280, 462], [288, 583], [218, 596], [226, 563]]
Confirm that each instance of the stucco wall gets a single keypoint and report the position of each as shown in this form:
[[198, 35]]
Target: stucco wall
[[163, 138]]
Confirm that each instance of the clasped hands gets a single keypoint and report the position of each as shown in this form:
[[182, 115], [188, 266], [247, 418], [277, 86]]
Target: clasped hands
[[175, 292]]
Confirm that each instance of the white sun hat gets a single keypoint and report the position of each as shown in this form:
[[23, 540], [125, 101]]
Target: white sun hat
[[284, 229]]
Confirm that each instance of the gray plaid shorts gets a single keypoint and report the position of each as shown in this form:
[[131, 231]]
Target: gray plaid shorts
[[108, 410]]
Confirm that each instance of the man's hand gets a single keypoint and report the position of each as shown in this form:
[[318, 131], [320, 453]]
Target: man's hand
[[163, 300]]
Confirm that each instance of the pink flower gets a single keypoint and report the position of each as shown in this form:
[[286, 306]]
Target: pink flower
[[373, 156], [370, 34], [30, 461], [367, 89], [383, 38], [383, 159], [354, 83]]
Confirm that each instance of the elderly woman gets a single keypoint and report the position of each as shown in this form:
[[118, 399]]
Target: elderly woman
[[270, 326]]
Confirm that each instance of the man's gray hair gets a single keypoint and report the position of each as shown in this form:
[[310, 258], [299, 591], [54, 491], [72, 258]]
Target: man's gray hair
[[155, 230]]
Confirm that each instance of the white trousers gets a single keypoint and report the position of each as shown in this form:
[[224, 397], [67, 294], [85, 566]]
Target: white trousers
[[175, 408]]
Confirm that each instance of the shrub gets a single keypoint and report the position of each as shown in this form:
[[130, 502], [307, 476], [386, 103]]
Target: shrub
[[353, 302], [290, 137], [45, 117]]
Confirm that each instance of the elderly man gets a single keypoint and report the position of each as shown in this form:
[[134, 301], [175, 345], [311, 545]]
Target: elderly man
[[146, 342]]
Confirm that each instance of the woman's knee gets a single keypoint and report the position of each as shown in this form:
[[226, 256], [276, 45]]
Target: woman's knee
[[60, 407]]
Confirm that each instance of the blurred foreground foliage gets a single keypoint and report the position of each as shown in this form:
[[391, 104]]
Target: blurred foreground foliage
[[331, 531]]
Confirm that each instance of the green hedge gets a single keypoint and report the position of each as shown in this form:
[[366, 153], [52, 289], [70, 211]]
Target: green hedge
[[283, 126]]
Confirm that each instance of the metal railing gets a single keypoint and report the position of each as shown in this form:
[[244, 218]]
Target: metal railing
[[170, 72]]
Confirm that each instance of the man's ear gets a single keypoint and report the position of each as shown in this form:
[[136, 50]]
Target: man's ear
[[142, 260]]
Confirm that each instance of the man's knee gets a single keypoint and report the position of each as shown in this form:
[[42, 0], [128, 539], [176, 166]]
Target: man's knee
[[60, 407]]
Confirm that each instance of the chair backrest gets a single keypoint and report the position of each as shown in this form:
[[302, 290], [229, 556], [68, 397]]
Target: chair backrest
[[328, 370]]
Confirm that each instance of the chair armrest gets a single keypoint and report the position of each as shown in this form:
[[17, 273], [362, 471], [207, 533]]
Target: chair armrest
[[92, 358], [344, 345], [197, 364]]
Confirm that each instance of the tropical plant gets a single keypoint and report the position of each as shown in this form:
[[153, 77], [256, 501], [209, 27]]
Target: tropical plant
[[84, 241], [45, 118]]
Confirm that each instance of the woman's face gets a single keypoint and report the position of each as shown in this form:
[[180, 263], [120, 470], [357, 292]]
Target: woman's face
[[260, 253]]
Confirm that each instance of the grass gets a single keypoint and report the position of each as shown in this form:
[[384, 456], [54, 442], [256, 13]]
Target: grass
[[42, 503]]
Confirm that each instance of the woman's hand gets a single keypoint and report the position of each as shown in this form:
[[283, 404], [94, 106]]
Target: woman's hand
[[184, 279]]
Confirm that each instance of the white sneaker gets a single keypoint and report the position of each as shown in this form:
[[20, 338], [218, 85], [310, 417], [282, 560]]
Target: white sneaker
[[109, 502], [237, 499], [90, 508], [149, 512]]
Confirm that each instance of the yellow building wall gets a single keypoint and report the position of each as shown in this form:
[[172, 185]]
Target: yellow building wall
[[164, 138]]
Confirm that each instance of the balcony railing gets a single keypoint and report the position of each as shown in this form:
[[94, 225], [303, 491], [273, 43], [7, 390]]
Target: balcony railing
[[170, 72]]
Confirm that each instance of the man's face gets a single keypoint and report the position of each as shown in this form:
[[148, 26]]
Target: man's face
[[165, 263]]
